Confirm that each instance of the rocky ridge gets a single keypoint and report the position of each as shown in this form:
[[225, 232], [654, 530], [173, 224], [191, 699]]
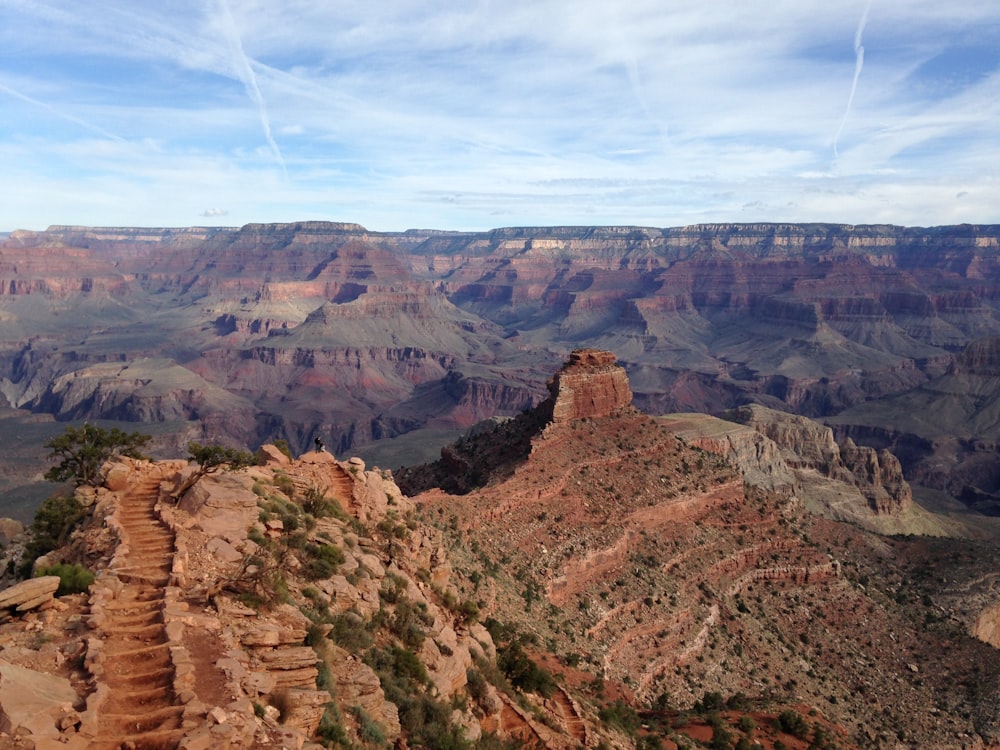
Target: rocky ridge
[[633, 553], [309, 600], [237, 618]]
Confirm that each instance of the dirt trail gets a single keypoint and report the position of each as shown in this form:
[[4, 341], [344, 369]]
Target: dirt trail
[[575, 727], [343, 487], [139, 710]]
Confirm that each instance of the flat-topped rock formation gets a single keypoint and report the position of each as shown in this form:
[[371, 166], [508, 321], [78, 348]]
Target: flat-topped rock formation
[[590, 384]]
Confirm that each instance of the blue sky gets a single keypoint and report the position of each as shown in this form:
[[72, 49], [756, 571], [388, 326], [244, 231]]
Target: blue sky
[[489, 113]]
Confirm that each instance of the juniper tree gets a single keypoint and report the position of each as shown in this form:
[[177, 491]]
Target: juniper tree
[[83, 450], [210, 459]]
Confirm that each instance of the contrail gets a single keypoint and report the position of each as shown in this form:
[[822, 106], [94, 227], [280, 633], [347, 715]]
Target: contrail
[[61, 115], [859, 53], [246, 74]]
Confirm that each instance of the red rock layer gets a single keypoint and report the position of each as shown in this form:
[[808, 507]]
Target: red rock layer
[[591, 385]]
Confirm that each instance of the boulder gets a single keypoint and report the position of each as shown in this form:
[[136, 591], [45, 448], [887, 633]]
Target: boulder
[[29, 594]]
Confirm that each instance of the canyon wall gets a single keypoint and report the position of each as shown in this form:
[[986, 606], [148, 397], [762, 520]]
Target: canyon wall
[[291, 331]]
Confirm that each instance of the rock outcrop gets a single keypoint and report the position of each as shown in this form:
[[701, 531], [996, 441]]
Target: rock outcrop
[[29, 594], [590, 385], [189, 638], [810, 445]]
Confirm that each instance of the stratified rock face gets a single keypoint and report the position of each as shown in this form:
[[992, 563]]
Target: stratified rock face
[[321, 328], [590, 384], [29, 594], [877, 474]]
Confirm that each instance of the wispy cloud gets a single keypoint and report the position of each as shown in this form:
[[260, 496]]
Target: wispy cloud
[[244, 69], [859, 63], [412, 113], [83, 124]]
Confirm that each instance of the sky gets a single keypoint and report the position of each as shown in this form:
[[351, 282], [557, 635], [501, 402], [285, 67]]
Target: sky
[[477, 114]]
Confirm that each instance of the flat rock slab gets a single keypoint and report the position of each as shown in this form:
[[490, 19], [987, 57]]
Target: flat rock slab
[[34, 591], [34, 700]]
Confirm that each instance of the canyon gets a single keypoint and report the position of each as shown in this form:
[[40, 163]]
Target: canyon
[[390, 344]]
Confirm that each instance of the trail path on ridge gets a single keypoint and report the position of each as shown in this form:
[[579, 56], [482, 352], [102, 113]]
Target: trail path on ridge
[[140, 706]]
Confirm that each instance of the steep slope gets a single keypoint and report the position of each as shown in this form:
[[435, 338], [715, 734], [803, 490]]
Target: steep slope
[[651, 564], [310, 599], [297, 600]]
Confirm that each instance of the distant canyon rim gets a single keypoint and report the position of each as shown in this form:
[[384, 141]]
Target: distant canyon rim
[[389, 344]]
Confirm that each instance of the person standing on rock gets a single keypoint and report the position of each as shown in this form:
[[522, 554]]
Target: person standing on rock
[[319, 444]]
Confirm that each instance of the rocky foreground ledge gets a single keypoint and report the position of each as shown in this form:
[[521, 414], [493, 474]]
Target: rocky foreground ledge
[[173, 647]]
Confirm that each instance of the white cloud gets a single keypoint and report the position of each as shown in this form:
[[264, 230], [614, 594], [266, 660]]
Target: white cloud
[[453, 114]]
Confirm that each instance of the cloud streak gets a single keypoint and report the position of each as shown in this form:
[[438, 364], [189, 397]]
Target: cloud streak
[[859, 64], [59, 114], [459, 116], [244, 69]]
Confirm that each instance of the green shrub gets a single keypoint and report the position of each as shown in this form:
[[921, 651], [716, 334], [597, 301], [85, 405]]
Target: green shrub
[[284, 483], [316, 503], [73, 579], [331, 729], [282, 445], [368, 729], [522, 672], [711, 701], [622, 715], [476, 685], [392, 588], [54, 519], [791, 722], [746, 724], [349, 633], [722, 739], [425, 719]]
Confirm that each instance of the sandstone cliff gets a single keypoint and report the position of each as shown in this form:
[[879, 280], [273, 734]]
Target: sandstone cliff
[[809, 445], [589, 385]]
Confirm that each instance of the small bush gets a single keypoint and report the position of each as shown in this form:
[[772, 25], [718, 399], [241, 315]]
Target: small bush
[[349, 633], [746, 724], [73, 579], [317, 504], [711, 701], [54, 519], [368, 729], [322, 560], [331, 730], [476, 685], [791, 722], [284, 483], [620, 714]]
